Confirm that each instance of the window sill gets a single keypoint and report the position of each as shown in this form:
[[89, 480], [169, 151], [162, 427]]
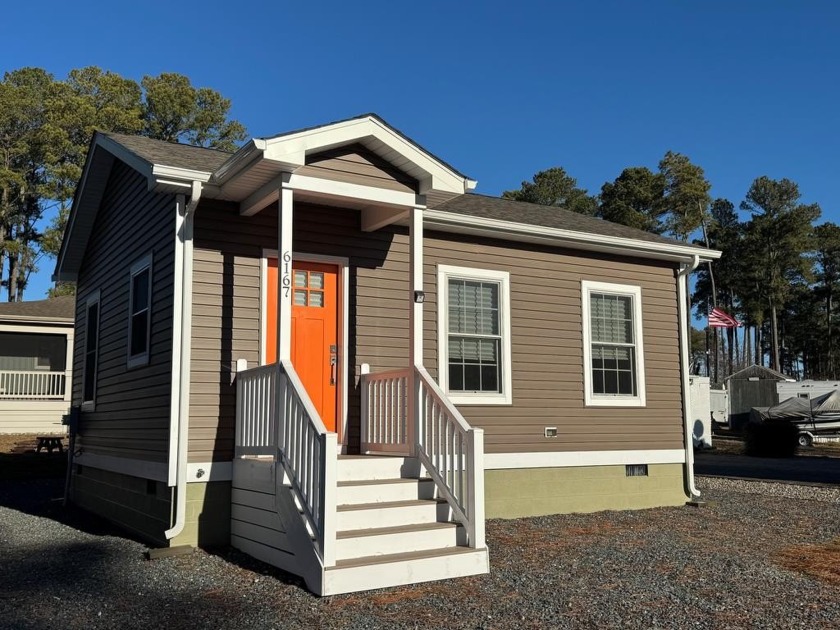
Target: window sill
[[614, 401], [141, 360], [90, 405], [460, 398]]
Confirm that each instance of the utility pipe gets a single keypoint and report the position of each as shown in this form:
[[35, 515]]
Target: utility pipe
[[683, 312], [182, 417]]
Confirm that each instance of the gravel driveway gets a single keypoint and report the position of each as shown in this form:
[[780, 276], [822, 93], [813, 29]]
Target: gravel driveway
[[722, 565]]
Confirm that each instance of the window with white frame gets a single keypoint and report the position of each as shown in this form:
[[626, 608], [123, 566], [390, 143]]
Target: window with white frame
[[613, 351], [91, 349], [139, 315], [474, 335]]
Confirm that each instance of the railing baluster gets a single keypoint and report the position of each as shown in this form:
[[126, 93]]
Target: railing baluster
[[31, 385]]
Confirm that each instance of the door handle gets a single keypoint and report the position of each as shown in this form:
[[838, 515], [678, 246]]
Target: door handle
[[333, 364]]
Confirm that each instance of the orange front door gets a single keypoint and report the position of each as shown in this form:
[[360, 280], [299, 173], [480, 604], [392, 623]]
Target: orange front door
[[314, 294]]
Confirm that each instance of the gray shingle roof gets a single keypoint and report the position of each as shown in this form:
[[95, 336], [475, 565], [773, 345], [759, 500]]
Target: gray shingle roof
[[761, 372], [209, 160], [172, 153], [59, 309], [546, 216]]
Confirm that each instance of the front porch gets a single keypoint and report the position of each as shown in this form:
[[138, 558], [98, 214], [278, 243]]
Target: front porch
[[410, 509], [349, 200], [35, 380]]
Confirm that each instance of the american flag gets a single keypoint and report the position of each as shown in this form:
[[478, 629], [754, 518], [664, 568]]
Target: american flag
[[722, 319]]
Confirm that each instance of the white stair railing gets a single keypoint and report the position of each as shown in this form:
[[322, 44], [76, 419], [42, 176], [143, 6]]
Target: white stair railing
[[385, 401], [32, 384], [280, 419], [453, 454], [256, 429], [405, 412]]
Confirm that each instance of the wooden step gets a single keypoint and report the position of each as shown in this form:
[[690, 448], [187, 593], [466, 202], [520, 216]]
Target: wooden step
[[391, 513], [370, 467], [384, 490], [358, 543], [381, 571]]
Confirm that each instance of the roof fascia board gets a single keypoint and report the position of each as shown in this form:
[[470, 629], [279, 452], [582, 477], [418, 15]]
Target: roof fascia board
[[522, 232], [93, 155], [122, 153], [173, 174], [240, 161], [291, 150], [34, 319]]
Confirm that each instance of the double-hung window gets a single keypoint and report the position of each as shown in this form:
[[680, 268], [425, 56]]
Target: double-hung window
[[139, 314], [474, 335], [91, 349], [613, 351]]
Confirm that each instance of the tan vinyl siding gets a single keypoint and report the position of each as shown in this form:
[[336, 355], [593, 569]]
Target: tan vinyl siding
[[131, 418], [356, 165], [546, 330], [547, 348], [226, 305]]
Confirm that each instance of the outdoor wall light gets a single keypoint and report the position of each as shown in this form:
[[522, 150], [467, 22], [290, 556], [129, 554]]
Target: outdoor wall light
[[419, 297]]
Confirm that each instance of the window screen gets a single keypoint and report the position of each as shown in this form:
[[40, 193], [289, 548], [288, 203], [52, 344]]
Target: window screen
[[613, 344], [474, 336]]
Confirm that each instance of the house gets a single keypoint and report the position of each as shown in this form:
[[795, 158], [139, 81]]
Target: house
[[754, 386], [36, 350], [326, 350]]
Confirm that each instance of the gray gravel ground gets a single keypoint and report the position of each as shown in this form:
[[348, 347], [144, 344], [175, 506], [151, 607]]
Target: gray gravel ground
[[711, 567]]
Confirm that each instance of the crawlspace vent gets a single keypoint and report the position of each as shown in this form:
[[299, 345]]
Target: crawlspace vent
[[636, 470]]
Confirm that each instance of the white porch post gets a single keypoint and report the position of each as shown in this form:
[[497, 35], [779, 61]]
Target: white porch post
[[415, 323], [284, 270], [68, 368]]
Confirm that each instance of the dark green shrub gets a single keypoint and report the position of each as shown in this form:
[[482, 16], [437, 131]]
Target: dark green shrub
[[771, 438]]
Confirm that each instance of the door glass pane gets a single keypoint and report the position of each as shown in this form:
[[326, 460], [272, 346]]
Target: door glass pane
[[299, 297], [300, 278], [316, 280], [316, 298]]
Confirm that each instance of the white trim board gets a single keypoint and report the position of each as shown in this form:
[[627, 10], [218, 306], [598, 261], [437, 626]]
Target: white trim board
[[157, 471], [556, 237], [568, 459]]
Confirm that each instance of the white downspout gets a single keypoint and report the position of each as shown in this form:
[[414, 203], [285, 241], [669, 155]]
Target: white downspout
[[184, 328], [682, 294]]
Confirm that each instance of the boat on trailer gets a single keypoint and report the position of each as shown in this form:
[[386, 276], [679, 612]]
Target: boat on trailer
[[816, 418]]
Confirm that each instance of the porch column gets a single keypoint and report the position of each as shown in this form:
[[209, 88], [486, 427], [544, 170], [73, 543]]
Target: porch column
[[415, 317], [415, 324], [284, 270], [68, 368]]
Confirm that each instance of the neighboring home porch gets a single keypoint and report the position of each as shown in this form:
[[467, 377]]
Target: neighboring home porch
[[36, 354]]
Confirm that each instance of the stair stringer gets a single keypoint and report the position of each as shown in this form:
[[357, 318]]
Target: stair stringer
[[267, 524]]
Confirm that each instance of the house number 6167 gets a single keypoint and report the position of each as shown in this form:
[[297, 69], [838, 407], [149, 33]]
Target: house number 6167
[[287, 273]]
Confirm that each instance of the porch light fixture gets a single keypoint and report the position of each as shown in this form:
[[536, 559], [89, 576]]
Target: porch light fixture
[[419, 297]]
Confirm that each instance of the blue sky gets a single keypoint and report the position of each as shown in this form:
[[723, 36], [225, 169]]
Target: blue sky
[[500, 90]]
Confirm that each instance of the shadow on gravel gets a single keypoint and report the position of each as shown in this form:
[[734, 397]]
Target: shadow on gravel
[[44, 498], [96, 585]]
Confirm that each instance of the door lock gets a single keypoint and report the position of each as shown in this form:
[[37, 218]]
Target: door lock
[[333, 364]]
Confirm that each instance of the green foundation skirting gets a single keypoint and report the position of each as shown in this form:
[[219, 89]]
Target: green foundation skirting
[[521, 492], [144, 508]]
